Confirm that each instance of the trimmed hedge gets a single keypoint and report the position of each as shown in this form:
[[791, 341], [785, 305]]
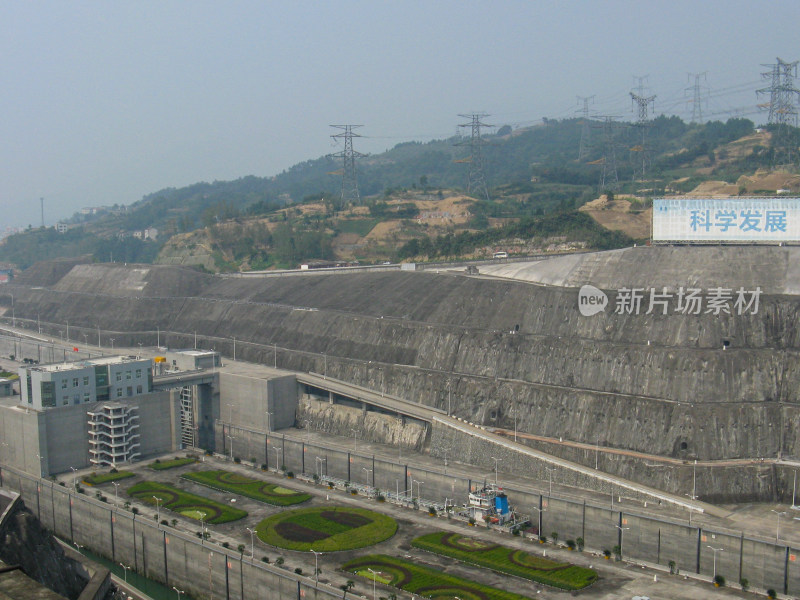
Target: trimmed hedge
[[339, 528], [106, 477], [185, 503], [170, 464], [424, 581], [507, 560], [229, 481]]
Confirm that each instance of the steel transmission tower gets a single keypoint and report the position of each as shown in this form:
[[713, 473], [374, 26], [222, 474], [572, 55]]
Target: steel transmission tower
[[348, 156], [782, 106], [586, 132], [699, 95], [642, 102], [609, 180], [476, 184]]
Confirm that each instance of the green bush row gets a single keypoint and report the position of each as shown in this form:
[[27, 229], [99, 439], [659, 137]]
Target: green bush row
[[499, 558], [425, 581], [159, 465], [106, 477], [254, 488], [182, 501]]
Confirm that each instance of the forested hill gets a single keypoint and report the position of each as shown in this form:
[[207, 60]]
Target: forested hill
[[531, 172]]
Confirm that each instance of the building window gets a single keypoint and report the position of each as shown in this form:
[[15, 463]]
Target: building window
[[119, 375], [77, 399], [74, 382], [138, 373], [64, 384], [130, 390], [138, 389], [65, 401], [85, 396], [127, 374], [86, 380], [119, 392]]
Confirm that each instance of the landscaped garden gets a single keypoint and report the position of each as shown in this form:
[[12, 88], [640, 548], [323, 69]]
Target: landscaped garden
[[101, 478], [184, 503], [507, 560], [248, 486], [423, 581], [161, 465], [326, 528]]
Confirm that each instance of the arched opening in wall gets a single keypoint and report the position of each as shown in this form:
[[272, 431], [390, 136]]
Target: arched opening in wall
[[493, 415], [684, 446]]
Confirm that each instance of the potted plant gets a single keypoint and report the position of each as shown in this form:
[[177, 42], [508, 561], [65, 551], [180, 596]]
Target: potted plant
[[772, 594], [719, 581], [571, 544], [672, 569], [607, 554]]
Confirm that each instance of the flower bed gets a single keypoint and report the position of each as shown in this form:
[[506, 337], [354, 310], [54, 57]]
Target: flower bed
[[189, 505], [248, 486]]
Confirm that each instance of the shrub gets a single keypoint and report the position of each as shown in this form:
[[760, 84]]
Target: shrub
[[226, 545], [472, 520], [253, 460], [672, 569], [237, 460], [164, 522], [174, 522], [432, 511], [571, 544], [264, 466], [617, 552], [290, 474], [515, 532], [354, 491], [279, 561], [554, 535], [744, 583], [265, 559], [772, 594], [240, 548], [381, 498], [579, 543], [607, 553], [542, 539], [299, 571], [719, 581]]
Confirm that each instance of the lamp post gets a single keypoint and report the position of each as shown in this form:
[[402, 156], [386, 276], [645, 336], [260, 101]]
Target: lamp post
[[230, 411], [269, 420], [316, 567], [794, 491], [514, 411], [202, 528], [540, 511], [13, 316], [355, 440], [366, 481], [449, 395], [496, 460], [179, 592], [715, 550], [318, 461], [230, 439], [621, 536], [277, 451], [125, 570], [158, 509], [325, 372], [116, 488], [374, 578], [778, 523], [112, 342], [74, 479], [419, 489], [252, 544], [39, 458], [86, 339], [550, 475]]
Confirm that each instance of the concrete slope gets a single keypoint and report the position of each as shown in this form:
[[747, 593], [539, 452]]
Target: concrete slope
[[775, 269]]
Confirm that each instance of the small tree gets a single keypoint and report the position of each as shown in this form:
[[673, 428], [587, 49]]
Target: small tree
[[571, 544], [240, 548], [672, 568], [744, 583], [607, 553], [579, 543], [554, 535], [265, 559], [617, 552], [174, 522], [299, 571], [226, 545], [772, 594], [719, 581], [279, 561]]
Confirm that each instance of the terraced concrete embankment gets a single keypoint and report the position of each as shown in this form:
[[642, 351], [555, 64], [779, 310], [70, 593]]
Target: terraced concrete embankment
[[658, 384]]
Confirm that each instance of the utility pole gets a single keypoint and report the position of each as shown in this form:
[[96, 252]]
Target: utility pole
[[586, 132], [609, 179], [699, 95], [348, 156], [476, 183]]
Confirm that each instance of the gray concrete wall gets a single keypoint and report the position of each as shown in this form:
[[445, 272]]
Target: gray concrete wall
[[161, 553], [246, 400]]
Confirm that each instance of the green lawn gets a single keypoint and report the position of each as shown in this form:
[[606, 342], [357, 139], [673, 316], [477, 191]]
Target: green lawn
[[160, 465], [326, 528], [248, 486], [423, 581], [185, 503], [360, 226], [99, 479], [507, 560]]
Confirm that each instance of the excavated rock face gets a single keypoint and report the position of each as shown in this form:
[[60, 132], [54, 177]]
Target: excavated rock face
[[707, 386], [24, 542]]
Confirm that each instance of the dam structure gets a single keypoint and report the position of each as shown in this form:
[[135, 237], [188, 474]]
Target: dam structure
[[690, 362]]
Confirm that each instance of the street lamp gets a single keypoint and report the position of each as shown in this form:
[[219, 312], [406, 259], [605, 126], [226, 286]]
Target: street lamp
[[550, 474], [277, 451], [126, 569], [540, 511], [112, 342], [449, 396], [316, 567], [319, 460], [496, 460], [514, 411], [180, 592], [621, 536], [230, 439], [419, 489], [202, 528], [269, 420], [74, 479], [366, 481], [116, 488], [252, 543], [158, 508], [715, 550], [374, 577], [778, 525], [355, 440], [40, 464]]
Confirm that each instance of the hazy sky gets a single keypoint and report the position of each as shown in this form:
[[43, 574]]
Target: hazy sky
[[104, 102]]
